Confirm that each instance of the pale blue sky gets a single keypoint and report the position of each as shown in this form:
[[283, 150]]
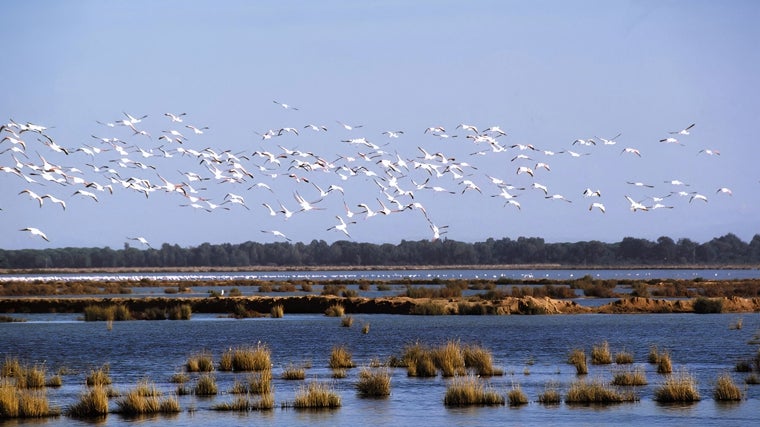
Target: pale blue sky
[[547, 72]]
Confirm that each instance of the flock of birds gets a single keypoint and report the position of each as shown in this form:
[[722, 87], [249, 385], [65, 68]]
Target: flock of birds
[[275, 178]]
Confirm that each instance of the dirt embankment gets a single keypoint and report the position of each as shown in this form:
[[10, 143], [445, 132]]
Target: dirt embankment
[[391, 305]]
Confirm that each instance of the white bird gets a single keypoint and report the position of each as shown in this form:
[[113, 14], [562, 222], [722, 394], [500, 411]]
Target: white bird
[[610, 141], [469, 128], [32, 195], [437, 231], [342, 226], [285, 211], [542, 165], [87, 194], [369, 212], [393, 134], [710, 152], [197, 130], [285, 106], [35, 232], [725, 190], [524, 169], [558, 197], [271, 211], [670, 140], [305, 206], [640, 184], [631, 151], [592, 193], [347, 126], [684, 131], [597, 205], [140, 239], [55, 200], [316, 128], [514, 203], [676, 182], [697, 196], [541, 187], [660, 206], [636, 206], [586, 142], [277, 233], [175, 117]]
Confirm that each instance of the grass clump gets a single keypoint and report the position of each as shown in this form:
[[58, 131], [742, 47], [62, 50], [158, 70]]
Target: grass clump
[[340, 358], [726, 389], [10, 367], [624, 358], [206, 386], [550, 395], [293, 372], [480, 360], [99, 377], [179, 378], [418, 360], [517, 396], [260, 382], [365, 328], [374, 382], [246, 359], [704, 305], [180, 312], [582, 392], [316, 395], [680, 387], [111, 312], [577, 358], [630, 377], [654, 355], [752, 379], [245, 404], [600, 354], [469, 391], [200, 362], [146, 399], [347, 321], [54, 381], [277, 311], [30, 376], [664, 364], [448, 358], [92, 403], [335, 310]]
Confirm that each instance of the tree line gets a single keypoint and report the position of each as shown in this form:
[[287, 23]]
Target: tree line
[[725, 250]]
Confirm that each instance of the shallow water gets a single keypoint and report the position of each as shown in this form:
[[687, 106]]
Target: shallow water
[[532, 350]]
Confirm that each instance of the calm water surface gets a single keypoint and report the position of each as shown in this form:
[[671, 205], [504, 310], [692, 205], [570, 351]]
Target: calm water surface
[[532, 350]]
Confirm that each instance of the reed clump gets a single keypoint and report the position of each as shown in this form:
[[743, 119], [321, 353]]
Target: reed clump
[[146, 399], [600, 354], [480, 360], [340, 358], [374, 382], [517, 397], [113, 312], [99, 377], [654, 355], [180, 312], [206, 386], [596, 392], [470, 391], [10, 367], [260, 382], [246, 359], [365, 328], [30, 376], [347, 321], [335, 310], [92, 403], [317, 395], [200, 362], [680, 387], [624, 358], [277, 311], [630, 377], [448, 358], [726, 389], [245, 404], [550, 395], [292, 372], [577, 358], [664, 364]]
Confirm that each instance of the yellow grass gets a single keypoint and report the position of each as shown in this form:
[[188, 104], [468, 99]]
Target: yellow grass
[[317, 395], [374, 382], [92, 403], [470, 391], [727, 390], [340, 358]]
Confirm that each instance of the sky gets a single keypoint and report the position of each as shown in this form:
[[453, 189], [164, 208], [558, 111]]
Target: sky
[[547, 73]]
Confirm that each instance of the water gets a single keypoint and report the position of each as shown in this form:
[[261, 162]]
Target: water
[[637, 274], [532, 350]]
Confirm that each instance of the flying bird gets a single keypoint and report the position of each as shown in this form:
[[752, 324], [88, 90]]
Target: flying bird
[[35, 232], [285, 106], [597, 205], [684, 131], [140, 239]]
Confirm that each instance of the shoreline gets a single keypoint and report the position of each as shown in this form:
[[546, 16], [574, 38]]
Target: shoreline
[[261, 306], [259, 268]]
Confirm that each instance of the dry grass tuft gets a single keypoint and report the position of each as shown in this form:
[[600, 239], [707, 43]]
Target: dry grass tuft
[[347, 321], [206, 386], [374, 382], [277, 311], [624, 358], [550, 396], [293, 372], [630, 377], [469, 391], [517, 396], [480, 360], [246, 359], [582, 392], [260, 382], [664, 365], [577, 358], [600, 354], [340, 358], [92, 403], [316, 395], [654, 355], [448, 358], [336, 310], [200, 362], [680, 387], [99, 376], [726, 389]]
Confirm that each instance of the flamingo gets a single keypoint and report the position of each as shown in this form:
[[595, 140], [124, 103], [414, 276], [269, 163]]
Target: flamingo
[[140, 239], [597, 205], [636, 206], [342, 226], [35, 232], [725, 190], [285, 106], [32, 195], [697, 196], [277, 233], [684, 131]]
